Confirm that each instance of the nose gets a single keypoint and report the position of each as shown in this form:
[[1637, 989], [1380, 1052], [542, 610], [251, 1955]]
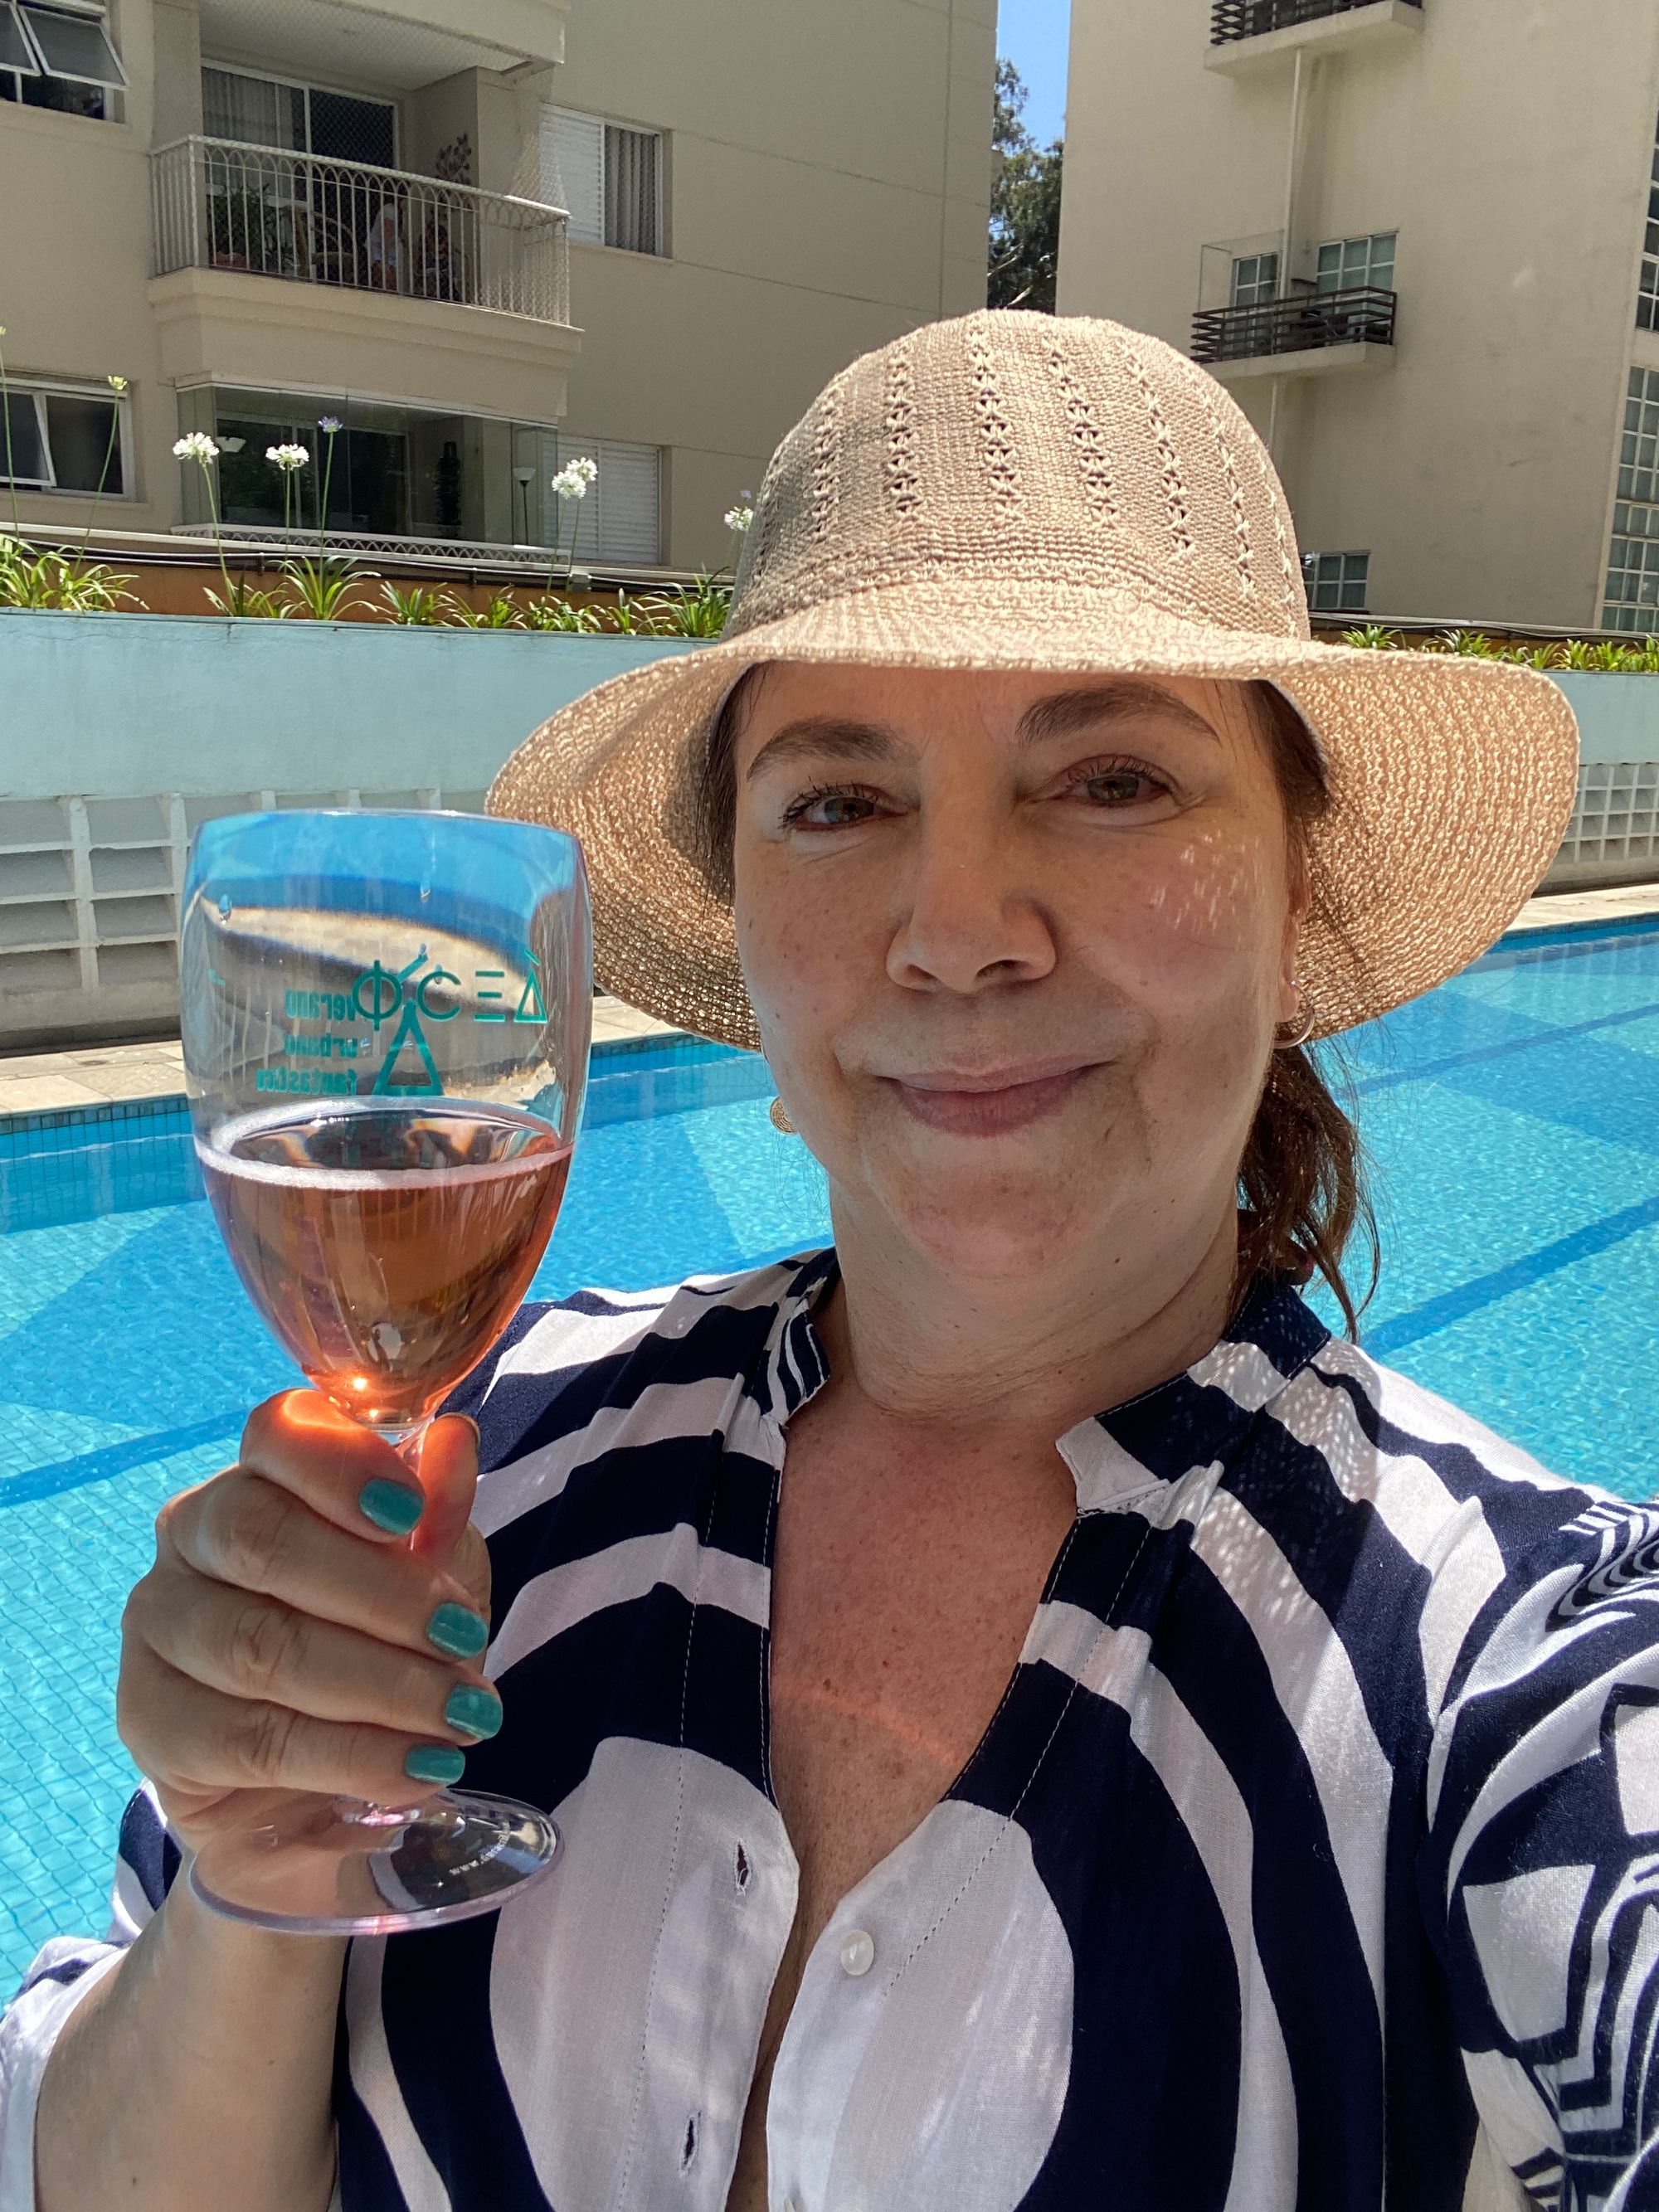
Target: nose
[[972, 921]]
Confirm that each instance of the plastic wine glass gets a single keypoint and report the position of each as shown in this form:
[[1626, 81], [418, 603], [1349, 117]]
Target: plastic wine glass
[[386, 1032]]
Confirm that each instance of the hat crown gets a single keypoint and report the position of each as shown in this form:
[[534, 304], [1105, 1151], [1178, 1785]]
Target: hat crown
[[1005, 446]]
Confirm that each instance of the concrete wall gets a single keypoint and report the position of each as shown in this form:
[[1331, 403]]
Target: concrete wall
[[118, 733], [1509, 142]]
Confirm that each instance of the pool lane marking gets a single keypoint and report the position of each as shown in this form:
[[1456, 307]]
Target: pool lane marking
[[57, 1476], [1482, 1291], [1548, 1033]]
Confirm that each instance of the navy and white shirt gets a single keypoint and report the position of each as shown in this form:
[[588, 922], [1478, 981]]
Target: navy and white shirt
[[1312, 1859]]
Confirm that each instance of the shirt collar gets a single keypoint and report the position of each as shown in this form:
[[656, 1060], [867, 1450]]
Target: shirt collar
[[1192, 1420]]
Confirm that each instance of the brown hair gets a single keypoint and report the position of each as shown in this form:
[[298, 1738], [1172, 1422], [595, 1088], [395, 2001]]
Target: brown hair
[[1302, 1188]]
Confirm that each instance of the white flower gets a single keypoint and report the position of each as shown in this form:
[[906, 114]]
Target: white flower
[[116, 383], [196, 446], [738, 519], [572, 480], [288, 458]]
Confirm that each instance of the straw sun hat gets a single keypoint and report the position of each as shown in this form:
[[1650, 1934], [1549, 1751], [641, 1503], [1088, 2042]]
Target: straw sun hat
[[1025, 491]]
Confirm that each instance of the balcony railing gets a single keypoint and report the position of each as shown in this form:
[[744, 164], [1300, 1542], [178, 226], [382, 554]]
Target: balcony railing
[[1253, 19], [220, 204], [1362, 315]]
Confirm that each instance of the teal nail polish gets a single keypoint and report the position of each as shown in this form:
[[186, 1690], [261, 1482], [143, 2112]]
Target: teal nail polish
[[434, 1762], [459, 1631], [478, 1711], [393, 1506]]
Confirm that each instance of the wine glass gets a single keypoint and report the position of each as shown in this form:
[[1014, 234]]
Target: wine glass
[[385, 1028]]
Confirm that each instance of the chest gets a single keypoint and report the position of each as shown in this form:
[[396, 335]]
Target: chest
[[904, 1588]]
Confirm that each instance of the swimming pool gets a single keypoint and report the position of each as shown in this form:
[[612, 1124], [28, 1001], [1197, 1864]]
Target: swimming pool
[[1513, 1117]]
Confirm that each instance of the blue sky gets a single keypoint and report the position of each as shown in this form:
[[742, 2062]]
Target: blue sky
[[1032, 33]]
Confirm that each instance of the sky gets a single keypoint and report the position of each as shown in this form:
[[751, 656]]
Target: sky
[[1032, 34]]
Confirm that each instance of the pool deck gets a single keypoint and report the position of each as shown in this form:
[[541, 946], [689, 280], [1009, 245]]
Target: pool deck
[[99, 1074], [96, 1075]]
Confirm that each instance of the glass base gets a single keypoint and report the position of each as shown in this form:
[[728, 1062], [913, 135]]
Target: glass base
[[328, 1866]]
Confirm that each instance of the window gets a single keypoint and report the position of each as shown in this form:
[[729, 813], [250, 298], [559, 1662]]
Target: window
[[1647, 303], [1335, 582], [63, 437], [1632, 598], [620, 519], [1345, 263], [608, 179], [1255, 279], [58, 57], [262, 111]]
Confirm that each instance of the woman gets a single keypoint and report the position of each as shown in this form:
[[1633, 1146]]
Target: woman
[[1143, 1754]]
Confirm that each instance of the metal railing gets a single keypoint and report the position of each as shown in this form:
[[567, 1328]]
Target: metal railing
[[220, 204], [383, 544], [1307, 321], [1253, 19]]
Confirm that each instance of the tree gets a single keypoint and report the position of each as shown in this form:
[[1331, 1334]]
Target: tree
[[1025, 204]]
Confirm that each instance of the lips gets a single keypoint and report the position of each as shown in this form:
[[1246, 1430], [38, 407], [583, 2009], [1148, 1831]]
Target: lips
[[989, 1102]]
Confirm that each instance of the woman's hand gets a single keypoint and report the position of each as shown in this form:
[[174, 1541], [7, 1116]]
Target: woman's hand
[[288, 1637]]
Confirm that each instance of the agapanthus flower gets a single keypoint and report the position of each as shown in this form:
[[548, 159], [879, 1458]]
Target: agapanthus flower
[[116, 383], [574, 478], [739, 518], [288, 458], [196, 445], [330, 423]]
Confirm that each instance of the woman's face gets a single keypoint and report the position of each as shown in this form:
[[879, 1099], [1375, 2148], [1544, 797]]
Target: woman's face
[[1017, 944]]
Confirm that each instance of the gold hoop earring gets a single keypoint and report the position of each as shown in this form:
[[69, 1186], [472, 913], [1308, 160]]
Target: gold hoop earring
[[1306, 1025], [778, 1116]]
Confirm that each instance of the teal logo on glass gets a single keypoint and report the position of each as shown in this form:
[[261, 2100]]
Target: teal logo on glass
[[408, 1069]]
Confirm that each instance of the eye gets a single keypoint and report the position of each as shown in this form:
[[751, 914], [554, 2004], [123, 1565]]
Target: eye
[[840, 807], [1114, 785]]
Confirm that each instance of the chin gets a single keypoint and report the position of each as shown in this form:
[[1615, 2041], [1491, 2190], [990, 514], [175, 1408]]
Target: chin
[[1003, 1235]]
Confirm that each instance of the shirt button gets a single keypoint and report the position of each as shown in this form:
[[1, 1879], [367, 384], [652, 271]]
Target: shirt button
[[858, 1952]]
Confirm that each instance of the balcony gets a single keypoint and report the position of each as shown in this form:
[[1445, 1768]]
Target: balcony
[[1248, 35], [439, 292], [1309, 334]]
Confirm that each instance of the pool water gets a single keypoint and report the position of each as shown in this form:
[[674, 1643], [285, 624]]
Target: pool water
[[1513, 1121]]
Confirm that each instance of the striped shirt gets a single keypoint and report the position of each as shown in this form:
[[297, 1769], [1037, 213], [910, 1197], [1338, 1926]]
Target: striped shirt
[[1311, 1858]]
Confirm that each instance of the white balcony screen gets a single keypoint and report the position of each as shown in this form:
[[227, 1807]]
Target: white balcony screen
[[573, 171], [620, 519]]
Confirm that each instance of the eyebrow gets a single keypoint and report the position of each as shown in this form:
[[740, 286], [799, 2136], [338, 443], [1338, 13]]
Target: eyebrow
[[1061, 713]]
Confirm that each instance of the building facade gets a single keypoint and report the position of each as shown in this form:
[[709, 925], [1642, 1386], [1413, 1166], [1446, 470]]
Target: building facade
[[1419, 240], [482, 237]]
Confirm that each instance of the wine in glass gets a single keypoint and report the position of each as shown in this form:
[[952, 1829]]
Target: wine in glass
[[386, 1029]]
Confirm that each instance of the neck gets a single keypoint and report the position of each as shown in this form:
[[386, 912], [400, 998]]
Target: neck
[[1034, 1353]]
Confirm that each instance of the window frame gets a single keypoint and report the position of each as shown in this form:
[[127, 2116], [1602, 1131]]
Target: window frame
[[40, 390], [86, 11], [604, 125], [1257, 298], [1342, 581], [1339, 246], [307, 85]]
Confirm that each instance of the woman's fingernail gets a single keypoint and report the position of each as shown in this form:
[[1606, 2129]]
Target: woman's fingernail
[[393, 1506], [459, 1631], [434, 1762], [479, 1713]]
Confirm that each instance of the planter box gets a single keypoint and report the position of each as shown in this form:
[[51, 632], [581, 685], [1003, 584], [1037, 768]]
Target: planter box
[[120, 732]]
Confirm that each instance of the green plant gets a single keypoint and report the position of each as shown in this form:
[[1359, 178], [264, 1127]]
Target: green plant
[[632, 617], [58, 581], [417, 605], [323, 583], [1374, 638], [245, 600], [500, 611], [551, 612], [698, 611]]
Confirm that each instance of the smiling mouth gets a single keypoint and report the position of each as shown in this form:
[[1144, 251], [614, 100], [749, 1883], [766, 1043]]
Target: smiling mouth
[[987, 1105]]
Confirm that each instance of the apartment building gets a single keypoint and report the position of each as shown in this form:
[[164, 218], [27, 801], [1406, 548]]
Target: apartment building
[[1419, 240], [484, 235]]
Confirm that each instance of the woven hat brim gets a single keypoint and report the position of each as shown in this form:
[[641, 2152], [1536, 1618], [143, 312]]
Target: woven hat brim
[[1451, 779]]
